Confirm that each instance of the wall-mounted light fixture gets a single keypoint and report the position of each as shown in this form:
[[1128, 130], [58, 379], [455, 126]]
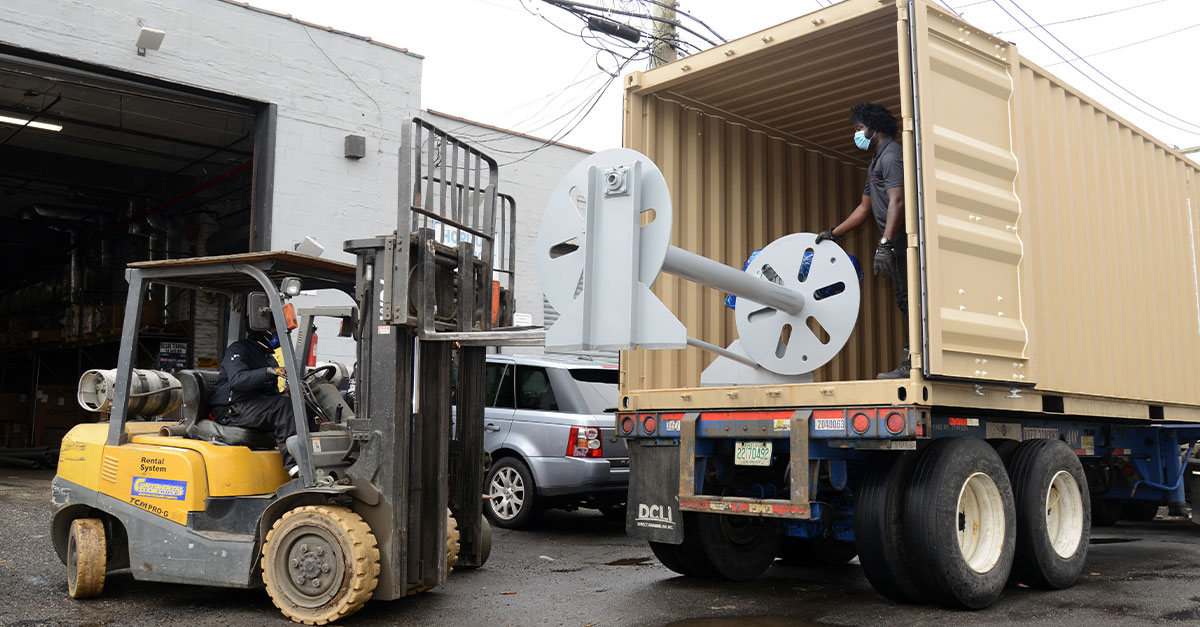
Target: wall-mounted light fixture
[[45, 126], [149, 39]]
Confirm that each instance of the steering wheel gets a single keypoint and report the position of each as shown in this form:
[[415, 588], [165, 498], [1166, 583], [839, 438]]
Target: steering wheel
[[324, 374]]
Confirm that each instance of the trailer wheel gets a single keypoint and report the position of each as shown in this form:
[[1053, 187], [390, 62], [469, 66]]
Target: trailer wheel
[[514, 498], [739, 547], [1106, 512], [320, 563], [687, 559], [959, 517], [87, 555], [816, 551], [1053, 514], [879, 526]]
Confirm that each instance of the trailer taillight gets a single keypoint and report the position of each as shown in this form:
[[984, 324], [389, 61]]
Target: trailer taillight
[[649, 424], [584, 442], [860, 422], [627, 425], [895, 422]]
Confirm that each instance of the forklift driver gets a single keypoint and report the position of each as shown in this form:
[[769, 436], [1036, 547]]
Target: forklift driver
[[247, 394]]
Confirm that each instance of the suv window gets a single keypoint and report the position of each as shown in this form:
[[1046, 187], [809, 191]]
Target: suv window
[[499, 386], [597, 387], [533, 389]]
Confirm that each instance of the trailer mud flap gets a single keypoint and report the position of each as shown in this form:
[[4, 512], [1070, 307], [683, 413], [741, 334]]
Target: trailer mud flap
[[653, 511]]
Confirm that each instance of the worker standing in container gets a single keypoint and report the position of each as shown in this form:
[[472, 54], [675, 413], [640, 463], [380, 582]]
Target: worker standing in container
[[875, 129]]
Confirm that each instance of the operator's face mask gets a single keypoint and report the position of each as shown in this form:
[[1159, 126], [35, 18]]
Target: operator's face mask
[[862, 141], [273, 341]]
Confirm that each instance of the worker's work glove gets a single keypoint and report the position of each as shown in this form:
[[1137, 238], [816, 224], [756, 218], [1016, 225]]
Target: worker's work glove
[[277, 371], [827, 234], [885, 260]]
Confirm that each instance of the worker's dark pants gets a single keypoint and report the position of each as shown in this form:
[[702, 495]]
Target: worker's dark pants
[[900, 287], [265, 413]]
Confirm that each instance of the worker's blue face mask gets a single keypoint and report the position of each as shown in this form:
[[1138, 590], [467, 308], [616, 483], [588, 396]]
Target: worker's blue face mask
[[273, 341], [861, 140]]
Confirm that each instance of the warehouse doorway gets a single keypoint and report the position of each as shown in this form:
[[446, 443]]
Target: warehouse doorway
[[98, 170]]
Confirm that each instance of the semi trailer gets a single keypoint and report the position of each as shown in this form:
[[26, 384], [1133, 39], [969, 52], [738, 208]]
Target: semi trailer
[[1054, 319]]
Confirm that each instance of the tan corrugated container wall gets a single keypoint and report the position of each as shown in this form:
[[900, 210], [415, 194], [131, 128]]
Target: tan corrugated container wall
[[1111, 239], [1108, 274], [735, 190]]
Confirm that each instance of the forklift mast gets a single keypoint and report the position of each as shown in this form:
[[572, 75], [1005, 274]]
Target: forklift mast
[[429, 305]]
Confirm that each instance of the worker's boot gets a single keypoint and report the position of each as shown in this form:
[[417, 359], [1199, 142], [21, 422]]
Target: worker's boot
[[899, 372]]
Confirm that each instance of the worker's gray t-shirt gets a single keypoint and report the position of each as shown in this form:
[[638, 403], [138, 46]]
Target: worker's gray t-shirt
[[886, 171]]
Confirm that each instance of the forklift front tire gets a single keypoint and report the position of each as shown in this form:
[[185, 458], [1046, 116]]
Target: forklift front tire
[[87, 555], [320, 563]]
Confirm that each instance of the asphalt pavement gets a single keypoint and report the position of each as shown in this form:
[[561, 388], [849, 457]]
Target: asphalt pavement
[[579, 569]]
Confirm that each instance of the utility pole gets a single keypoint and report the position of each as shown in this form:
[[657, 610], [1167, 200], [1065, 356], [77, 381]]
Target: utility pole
[[664, 33]]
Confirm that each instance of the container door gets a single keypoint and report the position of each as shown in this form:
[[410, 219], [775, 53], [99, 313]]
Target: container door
[[971, 278]]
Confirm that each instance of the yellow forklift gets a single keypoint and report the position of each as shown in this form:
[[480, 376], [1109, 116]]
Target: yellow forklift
[[196, 502]]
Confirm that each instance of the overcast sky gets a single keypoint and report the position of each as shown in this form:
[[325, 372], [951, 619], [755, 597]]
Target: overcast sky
[[500, 62]]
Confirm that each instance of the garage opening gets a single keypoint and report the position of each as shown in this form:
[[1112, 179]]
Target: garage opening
[[97, 171]]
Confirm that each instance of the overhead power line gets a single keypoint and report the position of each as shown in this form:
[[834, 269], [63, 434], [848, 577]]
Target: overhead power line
[[1128, 45], [1195, 130], [1087, 17]]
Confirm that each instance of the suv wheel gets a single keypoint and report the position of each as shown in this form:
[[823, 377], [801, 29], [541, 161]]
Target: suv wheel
[[513, 503]]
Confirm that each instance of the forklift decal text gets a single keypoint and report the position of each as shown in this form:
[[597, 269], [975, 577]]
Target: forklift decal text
[[153, 509], [158, 489], [655, 516], [152, 464]]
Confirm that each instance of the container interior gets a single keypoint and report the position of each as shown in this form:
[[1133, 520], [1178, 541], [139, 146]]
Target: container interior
[[755, 142]]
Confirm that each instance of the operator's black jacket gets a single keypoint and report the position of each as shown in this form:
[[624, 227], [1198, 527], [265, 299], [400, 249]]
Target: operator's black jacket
[[244, 374]]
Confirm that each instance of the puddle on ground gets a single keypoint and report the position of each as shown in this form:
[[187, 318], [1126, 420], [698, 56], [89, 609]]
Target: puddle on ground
[[1188, 615], [629, 561], [1112, 540], [747, 621]]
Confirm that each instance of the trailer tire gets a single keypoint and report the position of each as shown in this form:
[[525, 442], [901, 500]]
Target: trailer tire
[[878, 526], [1106, 512], [959, 517], [1053, 514], [816, 551], [740, 548], [514, 503], [1005, 448], [687, 558]]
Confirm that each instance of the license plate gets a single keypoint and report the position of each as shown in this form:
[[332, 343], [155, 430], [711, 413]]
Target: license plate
[[752, 453]]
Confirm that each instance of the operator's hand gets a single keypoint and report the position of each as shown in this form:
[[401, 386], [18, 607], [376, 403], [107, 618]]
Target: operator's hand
[[827, 234], [885, 260], [277, 371]]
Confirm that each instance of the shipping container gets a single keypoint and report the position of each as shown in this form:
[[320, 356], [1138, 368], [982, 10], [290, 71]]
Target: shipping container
[[1051, 243]]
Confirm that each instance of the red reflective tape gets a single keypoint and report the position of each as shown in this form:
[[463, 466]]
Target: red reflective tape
[[1080, 451], [958, 422], [829, 413], [666, 417]]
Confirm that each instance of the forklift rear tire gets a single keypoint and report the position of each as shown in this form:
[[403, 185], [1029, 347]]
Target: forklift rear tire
[[320, 563], [1106, 512], [485, 541], [452, 538], [514, 503], [1140, 511], [87, 555]]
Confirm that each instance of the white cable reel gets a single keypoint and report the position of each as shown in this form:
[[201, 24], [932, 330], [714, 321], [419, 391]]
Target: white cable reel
[[598, 262]]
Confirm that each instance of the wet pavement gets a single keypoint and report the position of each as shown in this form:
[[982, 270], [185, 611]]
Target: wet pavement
[[579, 569]]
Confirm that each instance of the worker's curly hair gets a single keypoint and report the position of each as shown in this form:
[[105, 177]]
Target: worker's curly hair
[[875, 117]]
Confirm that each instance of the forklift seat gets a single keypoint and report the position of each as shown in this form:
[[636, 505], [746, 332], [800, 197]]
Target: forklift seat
[[197, 388]]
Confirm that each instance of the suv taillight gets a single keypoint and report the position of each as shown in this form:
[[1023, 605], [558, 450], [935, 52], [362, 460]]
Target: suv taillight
[[584, 442]]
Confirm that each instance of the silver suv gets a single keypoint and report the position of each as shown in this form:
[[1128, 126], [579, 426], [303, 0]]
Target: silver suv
[[549, 428]]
